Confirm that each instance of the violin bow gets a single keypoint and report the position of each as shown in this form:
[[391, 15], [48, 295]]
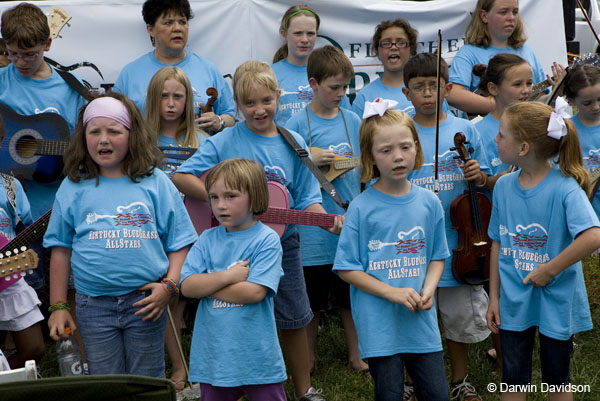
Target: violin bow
[[436, 184], [588, 20]]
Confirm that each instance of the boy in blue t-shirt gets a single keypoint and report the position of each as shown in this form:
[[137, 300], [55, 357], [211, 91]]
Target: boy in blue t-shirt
[[30, 86], [331, 133], [462, 308]]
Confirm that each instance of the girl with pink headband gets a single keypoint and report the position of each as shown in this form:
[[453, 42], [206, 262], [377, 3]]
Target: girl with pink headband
[[120, 225]]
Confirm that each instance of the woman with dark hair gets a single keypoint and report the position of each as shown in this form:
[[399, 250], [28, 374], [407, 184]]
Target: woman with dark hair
[[167, 25]]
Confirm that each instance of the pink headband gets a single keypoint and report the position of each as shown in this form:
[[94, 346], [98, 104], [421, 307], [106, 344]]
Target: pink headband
[[107, 107]]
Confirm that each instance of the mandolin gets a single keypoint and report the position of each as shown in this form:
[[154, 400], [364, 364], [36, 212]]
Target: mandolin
[[339, 165], [470, 214]]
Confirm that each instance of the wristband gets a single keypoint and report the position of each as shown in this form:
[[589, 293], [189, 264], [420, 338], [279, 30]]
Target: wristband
[[221, 123], [170, 286], [59, 306]]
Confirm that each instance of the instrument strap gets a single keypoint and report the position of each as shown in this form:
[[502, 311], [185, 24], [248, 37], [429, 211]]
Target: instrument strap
[[303, 154], [70, 80]]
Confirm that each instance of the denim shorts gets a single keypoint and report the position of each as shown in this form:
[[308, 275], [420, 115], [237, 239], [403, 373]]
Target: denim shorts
[[292, 309], [517, 351], [118, 342], [426, 371]]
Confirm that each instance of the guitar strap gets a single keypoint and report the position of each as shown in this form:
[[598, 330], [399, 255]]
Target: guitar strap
[[70, 80], [303, 154], [10, 187]]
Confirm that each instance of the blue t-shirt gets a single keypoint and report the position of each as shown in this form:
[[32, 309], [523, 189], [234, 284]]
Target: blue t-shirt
[[296, 93], [119, 232], [451, 178], [30, 96], [133, 81], [461, 70], [533, 226], [317, 245], [171, 164], [392, 239], [488, 129], [589, 140], [280, 162], [236, 344], [8, 220]]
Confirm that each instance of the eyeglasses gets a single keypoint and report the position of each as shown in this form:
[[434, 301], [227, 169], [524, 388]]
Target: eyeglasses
[[28, 57], [386, 44], [423, 88]]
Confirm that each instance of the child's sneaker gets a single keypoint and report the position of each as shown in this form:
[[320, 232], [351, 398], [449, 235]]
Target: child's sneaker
[[409, 392], [464, 391], [312, 395]]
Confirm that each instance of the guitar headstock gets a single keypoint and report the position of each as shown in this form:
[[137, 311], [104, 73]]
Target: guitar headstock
[[459, 145], [590, 58], [57, 19], [17, 263]]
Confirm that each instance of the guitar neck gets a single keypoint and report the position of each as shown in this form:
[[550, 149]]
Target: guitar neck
[[352, 162], [538, 88], [51, 148], [32, 233], [301, 217], [594, 175]]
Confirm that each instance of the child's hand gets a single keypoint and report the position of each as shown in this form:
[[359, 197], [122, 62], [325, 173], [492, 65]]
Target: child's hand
[[557, 72], [539, 277], [471, 171], [493, 316], [338, 222], [239, 272], [154, 304], [322, 157], [405, 296], [426, 298], [58, 321]]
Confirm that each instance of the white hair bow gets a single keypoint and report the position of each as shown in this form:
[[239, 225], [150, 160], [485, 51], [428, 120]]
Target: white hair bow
[[556, 125], [378, 107]]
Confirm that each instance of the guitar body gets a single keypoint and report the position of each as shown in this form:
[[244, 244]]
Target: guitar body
[[203, 219], [20, 152]]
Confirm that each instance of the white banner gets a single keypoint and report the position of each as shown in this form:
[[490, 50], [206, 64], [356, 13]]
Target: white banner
[[110, 34]]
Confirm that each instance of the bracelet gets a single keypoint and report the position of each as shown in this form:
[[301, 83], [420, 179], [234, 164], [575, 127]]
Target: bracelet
[[485, 180], [170, 286], [59, 306], [221, 124]]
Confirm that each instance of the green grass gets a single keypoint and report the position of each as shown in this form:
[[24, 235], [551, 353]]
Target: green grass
[[340, 384]]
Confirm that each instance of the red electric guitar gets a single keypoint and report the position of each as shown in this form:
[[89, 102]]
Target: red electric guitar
[[15, 264], [277, 217]]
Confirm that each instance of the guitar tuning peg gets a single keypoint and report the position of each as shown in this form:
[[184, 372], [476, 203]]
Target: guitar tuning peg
[[7, 278], [15, 251], [23, 248], [8, 253], [29, 271]]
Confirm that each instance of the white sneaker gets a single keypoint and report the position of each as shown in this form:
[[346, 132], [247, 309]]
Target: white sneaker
[[312, 395]]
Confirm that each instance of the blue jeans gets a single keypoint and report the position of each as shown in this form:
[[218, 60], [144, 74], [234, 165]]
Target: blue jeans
[[118, 342], [517, 351], [426, 371]]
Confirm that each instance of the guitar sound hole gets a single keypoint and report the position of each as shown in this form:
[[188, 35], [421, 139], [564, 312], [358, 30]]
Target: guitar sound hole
[[26, 146]]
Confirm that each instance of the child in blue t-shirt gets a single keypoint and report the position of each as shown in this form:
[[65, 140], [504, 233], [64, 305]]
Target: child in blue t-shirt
[[462, 307], [170, 114], [19, 312], [495, 27], [235, 269], [332, 136], [582, 88], [119, 223], [392, 250], [542, 225], [256, 93]]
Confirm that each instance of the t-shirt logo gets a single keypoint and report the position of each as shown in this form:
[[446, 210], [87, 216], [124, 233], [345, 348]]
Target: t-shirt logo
[[408, 242], [135, 214], [593, 160], [447, 162], [303, 93], [343, 149], [533, 236], [275, 173]]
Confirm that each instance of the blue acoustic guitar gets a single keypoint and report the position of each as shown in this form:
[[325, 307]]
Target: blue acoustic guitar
[[33, 145]]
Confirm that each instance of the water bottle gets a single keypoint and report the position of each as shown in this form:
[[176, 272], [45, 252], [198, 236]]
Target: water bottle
[[69, 357]]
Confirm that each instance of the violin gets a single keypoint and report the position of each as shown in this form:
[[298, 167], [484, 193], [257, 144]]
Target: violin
[[470, 213], [213, 95]]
